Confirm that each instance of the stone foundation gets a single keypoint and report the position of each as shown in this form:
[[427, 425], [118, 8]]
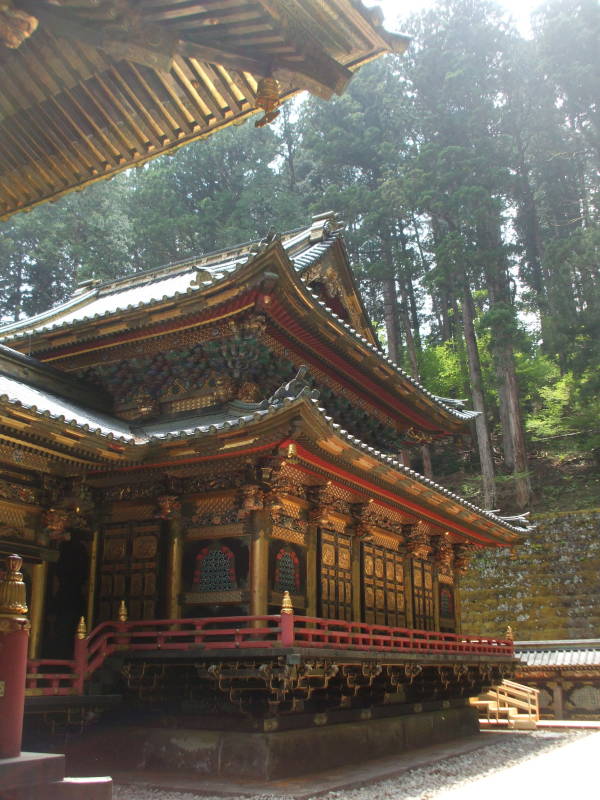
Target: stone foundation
[[266, 755]]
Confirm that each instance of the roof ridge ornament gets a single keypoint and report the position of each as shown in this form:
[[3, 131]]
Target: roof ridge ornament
[[292, 390], [323, 225]]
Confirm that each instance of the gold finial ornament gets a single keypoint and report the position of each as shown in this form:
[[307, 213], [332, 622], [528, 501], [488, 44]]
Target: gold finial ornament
[[509, 635], [81, 628], [15, 25], [267, 98], [13, 598], [286, 604], [292, 452], [122, 615]]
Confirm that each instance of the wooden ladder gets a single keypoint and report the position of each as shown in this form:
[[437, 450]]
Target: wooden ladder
[[510, 704]]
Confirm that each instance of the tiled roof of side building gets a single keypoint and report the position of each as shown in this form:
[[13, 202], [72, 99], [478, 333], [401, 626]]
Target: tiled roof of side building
[[563, 653]]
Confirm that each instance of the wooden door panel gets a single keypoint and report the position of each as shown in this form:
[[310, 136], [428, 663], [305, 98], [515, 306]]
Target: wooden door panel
[[423, 604], [382, 586], [129, 566], [336, 574]]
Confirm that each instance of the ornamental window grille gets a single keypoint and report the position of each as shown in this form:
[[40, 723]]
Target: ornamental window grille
[[446, 603], [287, 571], [215, 570]]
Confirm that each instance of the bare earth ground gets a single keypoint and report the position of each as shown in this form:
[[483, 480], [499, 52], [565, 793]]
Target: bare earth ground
[[551, 764]]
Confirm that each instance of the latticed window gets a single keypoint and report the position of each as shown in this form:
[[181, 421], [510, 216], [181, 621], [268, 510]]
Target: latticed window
[[215, 570], [287, 571], [446, 603]]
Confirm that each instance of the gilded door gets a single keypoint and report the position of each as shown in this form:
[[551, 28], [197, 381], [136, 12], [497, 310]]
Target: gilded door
[[336, 574], [423, 607], [128, 570], [383, 586]]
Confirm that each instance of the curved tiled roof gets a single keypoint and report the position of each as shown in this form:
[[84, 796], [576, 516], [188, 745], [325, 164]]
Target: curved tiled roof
[[304, 247], [560, 653], [235, 414]]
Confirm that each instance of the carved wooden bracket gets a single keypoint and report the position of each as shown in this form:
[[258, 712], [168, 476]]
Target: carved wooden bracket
[[419, 544], [169, 506], [462, 557]]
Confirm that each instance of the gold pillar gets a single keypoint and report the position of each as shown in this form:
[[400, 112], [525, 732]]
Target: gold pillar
[[436, 597], [457, 604], [312, 585], [259, 563], [408, 591], [39, 575], [174, 568], [356, 580], [92, 578]]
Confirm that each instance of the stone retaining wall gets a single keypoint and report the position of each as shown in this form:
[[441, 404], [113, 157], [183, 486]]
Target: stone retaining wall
[[551, 590]]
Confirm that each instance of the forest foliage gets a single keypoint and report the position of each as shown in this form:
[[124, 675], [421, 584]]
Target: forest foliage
[[467, 172]]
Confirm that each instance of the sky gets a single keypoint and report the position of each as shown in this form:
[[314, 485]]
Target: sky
[[519, 10]]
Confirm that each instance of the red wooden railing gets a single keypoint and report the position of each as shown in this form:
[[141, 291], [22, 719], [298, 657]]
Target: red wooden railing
[[61, 677]]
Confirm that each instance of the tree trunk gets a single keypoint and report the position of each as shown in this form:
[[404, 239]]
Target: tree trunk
[[502, 314], [390, 316], [481, 424]]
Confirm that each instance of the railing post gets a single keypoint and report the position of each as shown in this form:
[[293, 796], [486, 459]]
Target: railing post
[[80, 656], [14, 639], [122, 616], [287, 621]]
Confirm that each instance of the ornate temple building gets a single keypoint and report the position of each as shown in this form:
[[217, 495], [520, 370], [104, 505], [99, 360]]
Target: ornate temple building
[[200, 466]]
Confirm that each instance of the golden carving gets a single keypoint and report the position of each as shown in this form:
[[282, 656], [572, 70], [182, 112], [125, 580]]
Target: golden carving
[[419, 436], [248, 392], [328, 553], [168, 506], [379, 567], [379, 598], [418, 544], [368, 565], [55, 523], [267, 98], [145, 547], [344, 558], [15, 25], [462, 557], [297, 537], [114, 549]]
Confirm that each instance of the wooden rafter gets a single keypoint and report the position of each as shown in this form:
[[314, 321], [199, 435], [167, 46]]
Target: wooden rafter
[[95, 86]]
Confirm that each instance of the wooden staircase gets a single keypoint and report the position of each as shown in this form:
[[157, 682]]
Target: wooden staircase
[[509, 704]]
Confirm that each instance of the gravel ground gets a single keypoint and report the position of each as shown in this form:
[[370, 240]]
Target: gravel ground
[[555, 764]]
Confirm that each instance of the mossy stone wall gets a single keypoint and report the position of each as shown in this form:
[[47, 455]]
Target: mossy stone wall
[[551, 590]]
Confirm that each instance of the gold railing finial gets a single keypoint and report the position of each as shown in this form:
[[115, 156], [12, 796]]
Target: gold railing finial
[[122, 615], [509, 635], [81, 628], [13, 597], [286, 604]]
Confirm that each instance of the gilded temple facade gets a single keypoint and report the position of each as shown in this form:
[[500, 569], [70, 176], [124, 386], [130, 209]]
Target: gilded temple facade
[[200, 467]]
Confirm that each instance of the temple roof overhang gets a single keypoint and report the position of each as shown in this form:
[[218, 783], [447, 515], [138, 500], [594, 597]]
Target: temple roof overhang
[[37, 422], [273, 276], [92, 88]]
